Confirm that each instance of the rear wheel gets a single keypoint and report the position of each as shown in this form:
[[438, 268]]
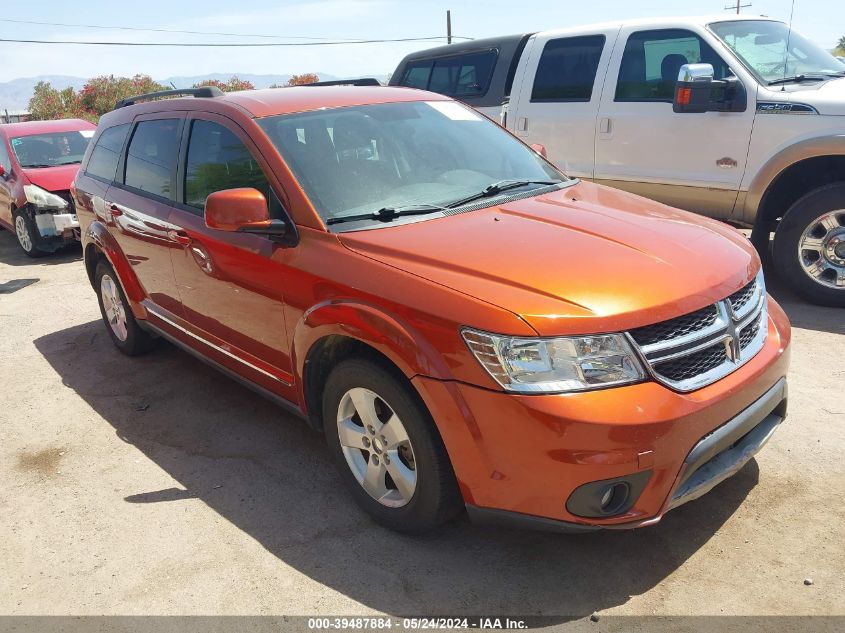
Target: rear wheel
[[809, 245], [29, 239], [121, 325], [387, 448]]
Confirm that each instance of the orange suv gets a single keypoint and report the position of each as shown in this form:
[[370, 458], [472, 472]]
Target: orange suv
[[469, 327]]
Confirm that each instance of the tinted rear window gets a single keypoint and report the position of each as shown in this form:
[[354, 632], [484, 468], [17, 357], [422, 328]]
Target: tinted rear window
[[567, 69], [151, 157], [458, 76], [106, 153]]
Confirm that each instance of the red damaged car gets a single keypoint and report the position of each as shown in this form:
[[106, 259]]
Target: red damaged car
[[38, 161]]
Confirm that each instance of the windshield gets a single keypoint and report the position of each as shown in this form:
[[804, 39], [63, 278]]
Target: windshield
[[51, 150], [362, 159], [762, 46]]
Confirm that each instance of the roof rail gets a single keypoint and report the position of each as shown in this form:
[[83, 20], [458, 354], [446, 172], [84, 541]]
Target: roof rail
[[207, 92], [361, 81]]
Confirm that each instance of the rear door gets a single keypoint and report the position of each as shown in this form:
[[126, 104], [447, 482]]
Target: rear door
[[232, 285], [693, 161], [559, 94], [140, 202]]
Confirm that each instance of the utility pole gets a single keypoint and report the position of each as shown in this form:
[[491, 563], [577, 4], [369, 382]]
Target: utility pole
[[448, 27], [738, 6]]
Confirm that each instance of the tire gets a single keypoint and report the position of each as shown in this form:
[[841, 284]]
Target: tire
[[120, 323], [809, 246], [418, 455], [26, 232]]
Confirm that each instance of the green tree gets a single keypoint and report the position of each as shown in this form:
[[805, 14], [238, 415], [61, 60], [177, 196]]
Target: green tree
[[841, 45], [234, 84], [99, 94]]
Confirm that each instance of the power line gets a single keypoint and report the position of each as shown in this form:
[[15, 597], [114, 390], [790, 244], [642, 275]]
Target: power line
[[152, 30], [738, 6], [221, 45]]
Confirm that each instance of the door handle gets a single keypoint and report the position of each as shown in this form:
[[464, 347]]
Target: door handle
[[115, 211], [180, 237], [522, 124], [605, 126]]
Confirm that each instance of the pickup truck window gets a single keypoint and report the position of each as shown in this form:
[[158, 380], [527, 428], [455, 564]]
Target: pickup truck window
[[465, 75], [567, 69], [218, 160], [106, 153], [652, 59]]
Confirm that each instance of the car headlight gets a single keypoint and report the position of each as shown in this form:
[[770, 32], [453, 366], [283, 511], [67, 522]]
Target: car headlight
[[41, 198], [555, 365]]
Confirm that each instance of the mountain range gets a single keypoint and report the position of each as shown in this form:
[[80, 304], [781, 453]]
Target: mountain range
[[15, 94]]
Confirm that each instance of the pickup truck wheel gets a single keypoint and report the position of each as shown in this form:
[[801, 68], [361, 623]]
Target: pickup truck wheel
[[387, 448], [121, 325], [27, 233], [809, 246]]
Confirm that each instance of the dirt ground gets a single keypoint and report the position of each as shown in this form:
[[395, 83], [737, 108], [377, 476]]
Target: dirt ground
[[157, 486]]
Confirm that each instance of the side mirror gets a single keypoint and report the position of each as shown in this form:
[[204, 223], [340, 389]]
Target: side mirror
[[697, 91], [540, 149], [243, 211]]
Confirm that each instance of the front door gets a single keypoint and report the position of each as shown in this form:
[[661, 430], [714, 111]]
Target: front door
[[230, 283], [692, 161], [5, 185]]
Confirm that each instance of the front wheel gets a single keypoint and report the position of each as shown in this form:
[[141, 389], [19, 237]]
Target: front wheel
[[387, 448], [809, 246], [29, 238]]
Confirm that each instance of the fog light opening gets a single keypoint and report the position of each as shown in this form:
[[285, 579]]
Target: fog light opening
[[614, 497]]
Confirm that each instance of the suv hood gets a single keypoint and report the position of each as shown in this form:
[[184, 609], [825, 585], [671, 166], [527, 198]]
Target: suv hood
[[585, 259], [52, 178]]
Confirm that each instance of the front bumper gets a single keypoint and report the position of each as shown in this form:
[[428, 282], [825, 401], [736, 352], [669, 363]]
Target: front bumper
[[523, 456], [57, 225]]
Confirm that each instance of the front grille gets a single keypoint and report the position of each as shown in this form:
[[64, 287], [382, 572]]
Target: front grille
[[675, 328], [699, 348], [749, 333], [695, 364], [740, 298]]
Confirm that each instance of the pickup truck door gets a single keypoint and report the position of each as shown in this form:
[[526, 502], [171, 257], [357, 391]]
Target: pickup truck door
[[558, 91], [692, 161]]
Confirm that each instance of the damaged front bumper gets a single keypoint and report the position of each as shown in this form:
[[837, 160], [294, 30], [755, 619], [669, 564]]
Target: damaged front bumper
[[63, 227]]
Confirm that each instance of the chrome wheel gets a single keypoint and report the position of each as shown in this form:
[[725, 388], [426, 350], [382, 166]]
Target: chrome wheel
[[376, 447], [22, 232], [113, 307], [821, 249]]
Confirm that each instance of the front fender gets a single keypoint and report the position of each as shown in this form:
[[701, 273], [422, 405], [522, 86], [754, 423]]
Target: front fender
[[98, 235], [827, 145], [389, 335]]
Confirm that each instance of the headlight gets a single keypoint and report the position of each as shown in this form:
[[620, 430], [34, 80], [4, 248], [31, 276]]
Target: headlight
[[41, 198], [554, 365]]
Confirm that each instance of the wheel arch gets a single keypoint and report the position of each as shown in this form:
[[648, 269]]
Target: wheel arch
[[791, 174], [99, 244], [334, 331]]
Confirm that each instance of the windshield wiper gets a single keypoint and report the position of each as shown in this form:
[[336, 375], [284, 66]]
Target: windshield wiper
[[800, 78], [386, 214], [37, 166], [498, 187]]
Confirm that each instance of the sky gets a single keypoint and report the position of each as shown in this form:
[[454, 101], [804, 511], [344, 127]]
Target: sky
[[821, 20]]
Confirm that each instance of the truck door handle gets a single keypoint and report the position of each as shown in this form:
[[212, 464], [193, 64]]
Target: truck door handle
[[605, 126], [522, 124], [180, 237]]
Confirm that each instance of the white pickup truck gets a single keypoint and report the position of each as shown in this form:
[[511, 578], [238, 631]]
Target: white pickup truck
[[762, 146]]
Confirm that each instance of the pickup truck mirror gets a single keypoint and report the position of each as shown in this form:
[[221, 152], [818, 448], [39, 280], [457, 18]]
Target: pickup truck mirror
[[242, 210], [696, 91]]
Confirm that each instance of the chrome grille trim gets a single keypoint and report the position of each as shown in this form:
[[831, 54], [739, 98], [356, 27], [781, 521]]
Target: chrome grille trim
[[741, 327]]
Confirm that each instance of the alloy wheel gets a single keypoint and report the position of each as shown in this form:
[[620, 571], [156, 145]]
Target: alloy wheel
[[113, 308], [22, 232], [376, 446], [821, 249]]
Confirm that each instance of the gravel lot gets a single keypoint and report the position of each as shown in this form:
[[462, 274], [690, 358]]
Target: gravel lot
[[158, 486]]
